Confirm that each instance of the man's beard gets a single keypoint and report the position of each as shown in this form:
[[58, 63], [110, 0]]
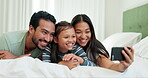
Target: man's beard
[[36, 43]]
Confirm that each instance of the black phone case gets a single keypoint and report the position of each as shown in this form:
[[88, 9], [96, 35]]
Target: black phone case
[[116, 54]]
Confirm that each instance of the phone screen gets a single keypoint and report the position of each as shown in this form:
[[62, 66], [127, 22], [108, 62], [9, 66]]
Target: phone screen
[[116, 54]]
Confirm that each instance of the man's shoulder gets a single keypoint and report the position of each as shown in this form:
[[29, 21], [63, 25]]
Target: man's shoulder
[[15, 32], [13, 35]]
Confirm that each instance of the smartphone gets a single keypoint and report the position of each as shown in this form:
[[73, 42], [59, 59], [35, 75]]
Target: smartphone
[[116, 54]]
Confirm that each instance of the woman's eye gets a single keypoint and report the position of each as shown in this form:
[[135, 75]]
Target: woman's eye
[[65, 37], [78, 32], [87, 31]]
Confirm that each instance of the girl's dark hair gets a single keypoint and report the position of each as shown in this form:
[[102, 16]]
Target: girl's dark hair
[[93, 47], [59, 27]]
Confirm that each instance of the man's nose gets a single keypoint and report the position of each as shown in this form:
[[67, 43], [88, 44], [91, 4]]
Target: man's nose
[[49, 38]]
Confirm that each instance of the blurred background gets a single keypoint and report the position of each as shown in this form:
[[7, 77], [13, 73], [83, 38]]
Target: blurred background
[[106, 15]]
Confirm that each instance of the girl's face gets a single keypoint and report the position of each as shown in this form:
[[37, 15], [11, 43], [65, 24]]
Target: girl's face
[[66, 40], [83, 33]]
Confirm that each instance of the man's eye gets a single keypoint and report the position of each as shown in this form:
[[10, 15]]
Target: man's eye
[[52, 34], [44, 32]]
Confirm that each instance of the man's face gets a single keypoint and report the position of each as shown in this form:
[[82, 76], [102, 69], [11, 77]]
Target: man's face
[[43, 34]]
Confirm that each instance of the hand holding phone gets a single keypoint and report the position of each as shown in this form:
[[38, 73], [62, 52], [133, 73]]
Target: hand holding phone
[[116, 54]]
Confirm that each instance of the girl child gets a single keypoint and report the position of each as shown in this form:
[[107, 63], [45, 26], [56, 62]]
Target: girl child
[[64, 48]]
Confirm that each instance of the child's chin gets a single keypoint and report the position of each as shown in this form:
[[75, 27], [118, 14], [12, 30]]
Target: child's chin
[[69, 48]]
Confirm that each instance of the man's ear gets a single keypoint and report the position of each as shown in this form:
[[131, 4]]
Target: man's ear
[[55, 39], [31, 29]]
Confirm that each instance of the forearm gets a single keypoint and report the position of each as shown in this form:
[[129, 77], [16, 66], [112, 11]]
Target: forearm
[[87, 62], [107, 63], [117, 67]]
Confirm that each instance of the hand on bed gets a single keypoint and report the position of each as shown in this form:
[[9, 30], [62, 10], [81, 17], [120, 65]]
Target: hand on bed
[[70, 64], [9, 55], [129, 58], [71, 56]]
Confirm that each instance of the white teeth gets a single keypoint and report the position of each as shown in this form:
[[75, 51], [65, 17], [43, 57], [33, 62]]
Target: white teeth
[[83, 40], [44, 43], [69, 44]]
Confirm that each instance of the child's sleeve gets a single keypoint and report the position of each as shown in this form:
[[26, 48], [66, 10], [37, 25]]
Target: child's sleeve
[[46, 55], [80, 52]]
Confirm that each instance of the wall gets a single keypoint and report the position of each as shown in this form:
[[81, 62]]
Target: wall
[[112, 17], [113, 14], [67, 9]]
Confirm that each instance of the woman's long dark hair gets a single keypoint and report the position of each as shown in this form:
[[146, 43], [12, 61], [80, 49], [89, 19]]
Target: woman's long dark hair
[[94, 47]]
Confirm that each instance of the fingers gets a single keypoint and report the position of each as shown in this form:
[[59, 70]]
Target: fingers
[[131, 49], [2, 56], [75, 63], [70, 64], [24, 55], [68, 57], [129, 52], [127, 58]]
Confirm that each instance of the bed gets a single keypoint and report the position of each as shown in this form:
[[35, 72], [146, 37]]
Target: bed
[[27, 67]]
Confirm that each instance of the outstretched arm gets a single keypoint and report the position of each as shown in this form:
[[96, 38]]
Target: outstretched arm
[[9, 55], [122, 66]]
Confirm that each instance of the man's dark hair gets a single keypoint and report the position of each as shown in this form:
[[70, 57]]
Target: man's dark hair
[[34, 21]]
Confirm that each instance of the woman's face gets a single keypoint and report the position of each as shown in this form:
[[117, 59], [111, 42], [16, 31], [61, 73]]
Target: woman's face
[[83, 33]]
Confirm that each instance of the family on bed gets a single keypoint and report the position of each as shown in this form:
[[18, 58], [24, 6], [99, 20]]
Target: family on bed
[[64, 43]]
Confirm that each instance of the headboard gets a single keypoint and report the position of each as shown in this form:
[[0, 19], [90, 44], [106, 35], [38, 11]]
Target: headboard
[[136, 20]]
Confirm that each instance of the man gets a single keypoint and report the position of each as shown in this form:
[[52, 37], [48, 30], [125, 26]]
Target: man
[[23, 43], [34, 41]]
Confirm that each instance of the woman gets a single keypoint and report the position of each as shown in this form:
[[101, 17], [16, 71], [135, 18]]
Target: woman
[[96, 51]]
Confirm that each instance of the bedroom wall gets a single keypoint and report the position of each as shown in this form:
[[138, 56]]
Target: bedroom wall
[[113, 13]]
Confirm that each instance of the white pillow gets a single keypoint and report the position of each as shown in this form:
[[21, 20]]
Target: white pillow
[[121, 40], [141, 48]]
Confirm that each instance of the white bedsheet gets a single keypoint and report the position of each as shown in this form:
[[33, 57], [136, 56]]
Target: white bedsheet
[[28, 67]]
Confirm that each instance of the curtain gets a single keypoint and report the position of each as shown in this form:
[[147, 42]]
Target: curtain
[[16, 14]]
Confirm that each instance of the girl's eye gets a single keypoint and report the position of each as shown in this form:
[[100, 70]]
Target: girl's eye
[[74, 36]]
